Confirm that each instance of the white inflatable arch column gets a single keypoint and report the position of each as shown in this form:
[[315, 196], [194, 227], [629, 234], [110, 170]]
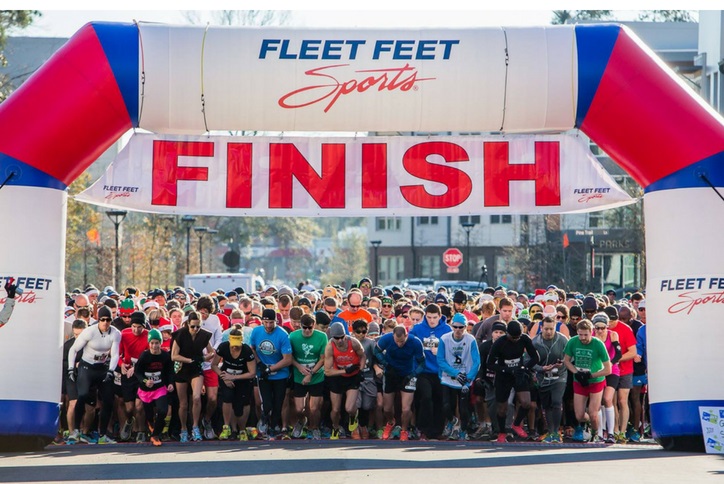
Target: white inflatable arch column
[[111, 77]]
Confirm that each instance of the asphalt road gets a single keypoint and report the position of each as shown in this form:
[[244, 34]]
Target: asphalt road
[[351, 461]]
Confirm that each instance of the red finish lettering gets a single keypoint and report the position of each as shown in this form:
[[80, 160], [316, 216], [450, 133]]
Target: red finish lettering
[[166, 172], [458, 183], [286, 162], [238, 175], [374, 175], [545, 172]]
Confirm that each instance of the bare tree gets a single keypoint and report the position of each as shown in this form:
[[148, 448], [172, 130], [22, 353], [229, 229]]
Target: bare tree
[[240, 17], [666, 16], [561, 17]]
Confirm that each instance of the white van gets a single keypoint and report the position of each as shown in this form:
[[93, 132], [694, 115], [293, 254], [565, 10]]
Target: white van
[[206, 283]]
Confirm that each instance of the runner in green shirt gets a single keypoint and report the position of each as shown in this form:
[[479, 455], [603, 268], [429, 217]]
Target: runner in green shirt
[[587, 360], [308, 346]]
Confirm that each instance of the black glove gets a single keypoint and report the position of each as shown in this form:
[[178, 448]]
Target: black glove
[[199, 360], [264, 371], [71, 374], [10, 288], [351, 369], [462, 378], [110, 376], [582, 377]]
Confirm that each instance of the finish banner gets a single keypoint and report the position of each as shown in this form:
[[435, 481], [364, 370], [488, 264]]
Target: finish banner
[[356, 176]]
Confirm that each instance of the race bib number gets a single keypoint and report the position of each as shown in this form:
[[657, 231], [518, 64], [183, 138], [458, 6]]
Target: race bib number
[[514, 363], [232, 371], [154, 376], [100, 357], [117, 378]]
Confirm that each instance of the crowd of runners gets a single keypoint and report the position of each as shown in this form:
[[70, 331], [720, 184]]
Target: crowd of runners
[[358, 363]]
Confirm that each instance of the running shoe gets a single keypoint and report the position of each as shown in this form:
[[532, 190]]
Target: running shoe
[[73, 437], [449, 428], [355, 434], [196, 435], [463, 436], [243, 436], [165, 437], [283, 434], [58, 440], [379, 434], [519, 431], [298, 428], [404, 436], [388, 430], [620, 438], [225, 433], [455, 434], [353, 422], [88, 439], [104, 439], [184, 437], [553, 438], [364, 433], [578, 434], [262, 426], [252, 433], [502, 438], [413, 433], [208, 430], [316, 434], [127, 429], [396, 432], [155, 441], [597, 439], [140, 437], [610, 439], [634, 436], [335, 435], [482, 433]]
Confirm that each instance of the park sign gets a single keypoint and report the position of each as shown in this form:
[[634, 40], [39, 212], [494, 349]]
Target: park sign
[[359, 176]]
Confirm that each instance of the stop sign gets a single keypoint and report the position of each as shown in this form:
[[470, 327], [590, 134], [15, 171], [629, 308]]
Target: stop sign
[[452, 257]]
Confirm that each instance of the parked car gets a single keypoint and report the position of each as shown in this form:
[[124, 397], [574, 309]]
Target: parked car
[[467, 286], [418, 283]]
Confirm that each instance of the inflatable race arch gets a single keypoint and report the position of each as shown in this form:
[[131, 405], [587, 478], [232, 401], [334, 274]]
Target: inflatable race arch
[[111, 77]]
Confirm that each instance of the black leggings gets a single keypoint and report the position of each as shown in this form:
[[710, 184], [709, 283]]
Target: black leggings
[[272, 399], [90, 376], [452, 397], [160, 405]]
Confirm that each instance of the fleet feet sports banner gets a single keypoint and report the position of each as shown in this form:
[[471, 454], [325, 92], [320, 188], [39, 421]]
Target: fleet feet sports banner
[[360, 176]]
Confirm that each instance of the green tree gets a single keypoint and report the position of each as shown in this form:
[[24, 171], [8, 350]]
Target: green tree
[[11, 21], [348, 262], [560, 17]]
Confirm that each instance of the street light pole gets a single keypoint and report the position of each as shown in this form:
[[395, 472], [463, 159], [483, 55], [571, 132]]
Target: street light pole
[[376, 245], [468, 226], [211, 232], [116, 216], [188, 220], [201, 231]]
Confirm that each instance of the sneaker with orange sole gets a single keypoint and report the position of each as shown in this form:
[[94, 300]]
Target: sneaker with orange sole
[[388, 430], [355, 434], [364, 433], [403, 436], [156, 441]]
